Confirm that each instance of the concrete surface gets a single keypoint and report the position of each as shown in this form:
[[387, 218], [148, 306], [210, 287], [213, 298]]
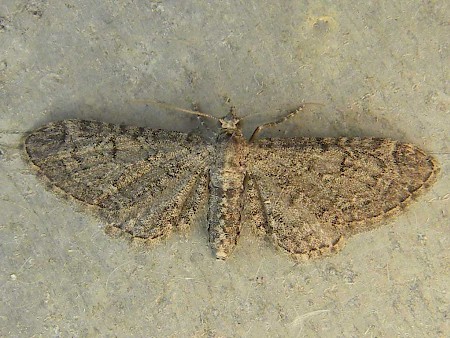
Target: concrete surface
[[380, 69]]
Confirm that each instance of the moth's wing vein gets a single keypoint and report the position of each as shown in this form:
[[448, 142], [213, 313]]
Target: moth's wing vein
[[317, 191], [142, 181]]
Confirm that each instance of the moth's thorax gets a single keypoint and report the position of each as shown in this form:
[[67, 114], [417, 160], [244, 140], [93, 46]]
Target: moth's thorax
[[231, 151]]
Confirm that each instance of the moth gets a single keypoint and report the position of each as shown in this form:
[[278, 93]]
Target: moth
[[305, 194]]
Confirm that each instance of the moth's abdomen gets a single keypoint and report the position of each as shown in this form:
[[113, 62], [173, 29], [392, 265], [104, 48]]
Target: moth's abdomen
[[226, 188]]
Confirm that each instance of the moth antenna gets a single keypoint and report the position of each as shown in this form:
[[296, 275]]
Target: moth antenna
[[287, 116], [301, 106], [172, 107], [204, 125]]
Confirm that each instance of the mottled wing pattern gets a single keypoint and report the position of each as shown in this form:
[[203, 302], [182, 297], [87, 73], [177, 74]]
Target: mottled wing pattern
[[314, 192], [142, 181]]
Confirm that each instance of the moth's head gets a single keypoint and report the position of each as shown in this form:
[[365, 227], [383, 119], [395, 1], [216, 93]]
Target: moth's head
[[230, 122]]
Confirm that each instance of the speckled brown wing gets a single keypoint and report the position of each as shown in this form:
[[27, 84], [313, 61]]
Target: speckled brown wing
[[314, 192], [142, 181]]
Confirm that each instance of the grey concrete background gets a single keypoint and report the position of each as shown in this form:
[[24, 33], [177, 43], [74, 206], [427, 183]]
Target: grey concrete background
[[380, 69]]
